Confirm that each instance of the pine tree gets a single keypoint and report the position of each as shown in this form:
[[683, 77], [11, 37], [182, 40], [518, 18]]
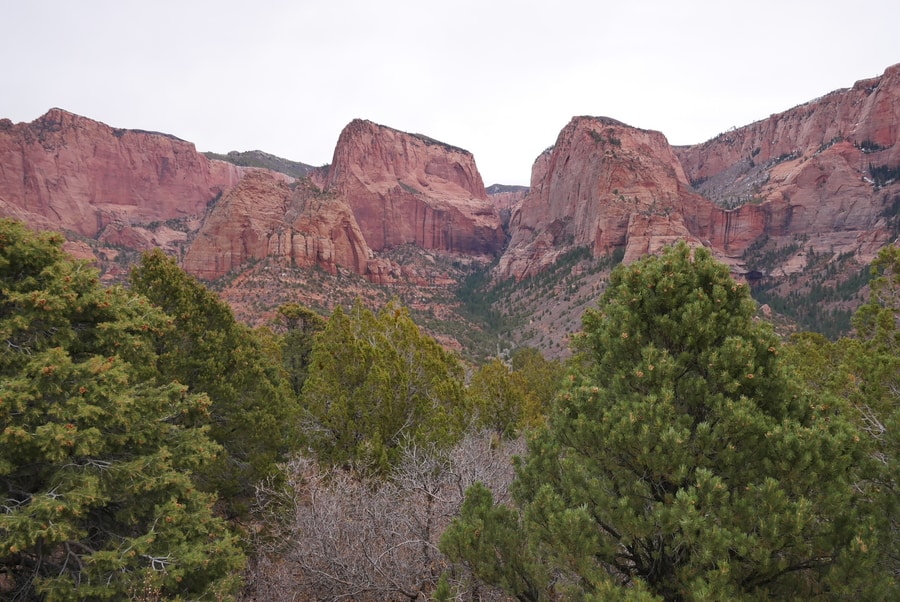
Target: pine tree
[[500, 399], [253, 414], [682, 459], [301, 324], [96, 450], [376, 383], [874, 363]]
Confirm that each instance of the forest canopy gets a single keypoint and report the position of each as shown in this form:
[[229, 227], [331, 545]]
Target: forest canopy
[[152, 447]]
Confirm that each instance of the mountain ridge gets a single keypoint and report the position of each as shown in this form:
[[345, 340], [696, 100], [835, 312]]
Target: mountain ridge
[[411, 213]]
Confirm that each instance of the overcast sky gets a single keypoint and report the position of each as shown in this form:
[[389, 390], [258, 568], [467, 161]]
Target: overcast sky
[[499, 79]]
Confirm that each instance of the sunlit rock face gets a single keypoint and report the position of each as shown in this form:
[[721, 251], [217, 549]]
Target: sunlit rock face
[[409, 189], [67, 172]]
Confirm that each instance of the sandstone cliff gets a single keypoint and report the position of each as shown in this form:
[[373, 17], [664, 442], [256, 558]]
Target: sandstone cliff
[[385, 189], [824, 170], [409, 189], [67, 172], [603, 185], [263, 216]]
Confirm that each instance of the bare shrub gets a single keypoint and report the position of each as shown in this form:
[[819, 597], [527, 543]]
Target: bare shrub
[[333, 535]]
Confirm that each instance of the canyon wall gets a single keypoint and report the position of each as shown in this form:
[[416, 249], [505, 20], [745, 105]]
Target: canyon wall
[[70, 173], [409, 189]]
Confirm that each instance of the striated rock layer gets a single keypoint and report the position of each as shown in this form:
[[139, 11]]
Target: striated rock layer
[[603, 185], [263, 216], [67, 172], [385, 189], [409, 189], [825, 172]]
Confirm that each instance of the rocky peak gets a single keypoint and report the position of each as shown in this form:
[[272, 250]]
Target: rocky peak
[[265, 216], [67, 172], [410, 189], [821, 170], [866, 116], [603, 185]]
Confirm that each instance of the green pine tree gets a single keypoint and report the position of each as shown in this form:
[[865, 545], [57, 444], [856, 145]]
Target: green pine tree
[[96, 450], [500, 399], [301, 324], [376, 383], [683, 460], [253, 414]]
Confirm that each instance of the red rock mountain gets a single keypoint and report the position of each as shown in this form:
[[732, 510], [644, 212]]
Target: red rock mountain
[[264, 216], [71, 173], [603, 185], [409, 189], [825, 171], [384, 189], [126, 188]]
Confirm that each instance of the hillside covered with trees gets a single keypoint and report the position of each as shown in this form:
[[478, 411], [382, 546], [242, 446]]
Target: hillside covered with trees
[[154, 448]]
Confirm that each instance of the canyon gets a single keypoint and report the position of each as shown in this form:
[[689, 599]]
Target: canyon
[[410, 213]]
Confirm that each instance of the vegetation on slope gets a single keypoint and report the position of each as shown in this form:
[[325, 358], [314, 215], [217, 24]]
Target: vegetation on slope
[[143, 430]]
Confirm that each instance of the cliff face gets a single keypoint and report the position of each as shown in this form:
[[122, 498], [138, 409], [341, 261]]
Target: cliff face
[[825, 170], [409, 189], [385, 189], [866, 116], [265, 217], [120, 187], [603, 185], [67, 172]]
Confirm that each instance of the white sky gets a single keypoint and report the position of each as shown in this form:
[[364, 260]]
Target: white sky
[[499, 79]]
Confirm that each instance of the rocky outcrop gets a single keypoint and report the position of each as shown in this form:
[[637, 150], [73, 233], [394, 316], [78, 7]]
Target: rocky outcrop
[[385, 189], [67, 172], [603, 185], [866, 116], [409, 189], [131, 189], [264, 216], [506, 198], [821, 170], [826, 172]]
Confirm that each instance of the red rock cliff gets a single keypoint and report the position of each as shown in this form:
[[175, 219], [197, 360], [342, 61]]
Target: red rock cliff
[[603, 185], [68, 172], [265, 217], [808, 171], [406, 188]]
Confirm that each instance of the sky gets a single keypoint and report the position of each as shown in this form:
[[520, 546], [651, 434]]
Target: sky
[[500, 79]]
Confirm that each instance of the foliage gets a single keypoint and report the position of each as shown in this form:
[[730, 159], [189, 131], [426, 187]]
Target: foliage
[[377, 382], [301, 325], [487, 538], [541, 377], [682, 459], [96, 451], [500, 400], [253, 414], [506, 399], [821, 302], [876, 370]]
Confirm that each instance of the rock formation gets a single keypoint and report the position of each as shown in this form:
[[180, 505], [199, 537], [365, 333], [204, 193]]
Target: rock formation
[[826, 171], [821, 170], [385, 189], [409, 189], [67, 172], [603, 185], [263, 216], [506, 198]]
